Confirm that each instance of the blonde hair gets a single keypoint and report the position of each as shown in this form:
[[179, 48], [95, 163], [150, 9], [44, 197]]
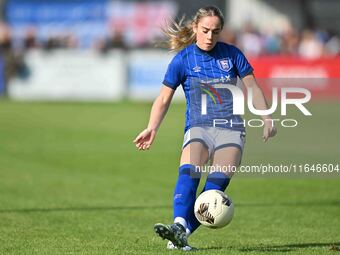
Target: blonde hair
[[181, 34]]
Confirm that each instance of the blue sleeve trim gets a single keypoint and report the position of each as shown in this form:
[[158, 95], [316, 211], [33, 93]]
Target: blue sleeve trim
[[169, 85], [249, 71]]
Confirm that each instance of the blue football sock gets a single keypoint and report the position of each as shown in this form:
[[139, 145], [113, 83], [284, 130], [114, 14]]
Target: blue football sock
[[185, 191], [215, 180]]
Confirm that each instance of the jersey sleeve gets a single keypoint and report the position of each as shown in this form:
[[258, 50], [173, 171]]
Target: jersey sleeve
[[174, 76], [242, 65]]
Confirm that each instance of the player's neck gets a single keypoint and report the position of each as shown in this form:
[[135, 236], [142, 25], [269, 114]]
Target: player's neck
[[204, 51]]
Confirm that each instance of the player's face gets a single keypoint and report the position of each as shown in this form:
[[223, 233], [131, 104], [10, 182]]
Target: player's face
[[207, 32]]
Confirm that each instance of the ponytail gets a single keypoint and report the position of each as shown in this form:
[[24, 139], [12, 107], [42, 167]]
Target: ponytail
[[181, 34]]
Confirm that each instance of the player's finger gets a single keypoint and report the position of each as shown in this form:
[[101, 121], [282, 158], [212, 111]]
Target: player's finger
[[265, 135], [136, 139], [265, 138], [140, 145], [273, 132], [141, 135]]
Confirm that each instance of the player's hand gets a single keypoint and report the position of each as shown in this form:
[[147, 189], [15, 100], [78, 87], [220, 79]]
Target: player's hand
[[144, 140], [269, 130]]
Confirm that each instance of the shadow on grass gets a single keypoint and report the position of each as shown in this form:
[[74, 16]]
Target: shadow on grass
[[85, 209], [213, 248], [291, 247]]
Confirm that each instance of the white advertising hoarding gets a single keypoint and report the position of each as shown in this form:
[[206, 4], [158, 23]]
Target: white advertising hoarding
[[72, 75]]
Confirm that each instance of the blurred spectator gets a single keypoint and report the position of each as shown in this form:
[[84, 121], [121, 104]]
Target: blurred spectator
[[67, 41], [228, 35], [250, 40], [310, 46], [290, 41], [115, 41], [12, 62], [30, 40], [332, 46], [272, 43], [70, 42], [52, 43]]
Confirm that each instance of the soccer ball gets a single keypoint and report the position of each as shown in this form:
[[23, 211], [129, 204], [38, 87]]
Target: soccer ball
[[214, 209]]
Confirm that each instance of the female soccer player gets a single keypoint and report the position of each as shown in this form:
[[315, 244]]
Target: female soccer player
[[203, 66]]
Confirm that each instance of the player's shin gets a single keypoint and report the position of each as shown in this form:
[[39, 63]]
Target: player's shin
[[185, 193]]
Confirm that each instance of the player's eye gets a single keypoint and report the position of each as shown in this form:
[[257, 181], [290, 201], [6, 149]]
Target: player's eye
[[205, 31]]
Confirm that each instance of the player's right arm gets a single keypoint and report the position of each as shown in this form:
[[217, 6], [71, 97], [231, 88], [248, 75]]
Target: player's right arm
[[174, 76], [159, 108]]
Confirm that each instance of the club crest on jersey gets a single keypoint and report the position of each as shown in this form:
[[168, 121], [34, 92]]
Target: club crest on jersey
[[225, 64]]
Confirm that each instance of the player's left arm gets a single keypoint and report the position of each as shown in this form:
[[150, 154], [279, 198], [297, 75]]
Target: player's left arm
[[260, 103]]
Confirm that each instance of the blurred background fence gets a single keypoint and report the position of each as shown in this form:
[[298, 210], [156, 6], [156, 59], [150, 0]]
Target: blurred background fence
[[105, 50]]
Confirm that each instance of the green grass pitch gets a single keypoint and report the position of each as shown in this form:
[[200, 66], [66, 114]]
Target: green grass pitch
[[72, 182]]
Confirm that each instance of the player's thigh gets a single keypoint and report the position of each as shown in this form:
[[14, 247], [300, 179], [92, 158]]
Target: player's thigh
[[229, 158], [194, 153]]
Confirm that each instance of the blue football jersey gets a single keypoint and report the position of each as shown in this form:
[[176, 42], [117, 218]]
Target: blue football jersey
[[201, 74]]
